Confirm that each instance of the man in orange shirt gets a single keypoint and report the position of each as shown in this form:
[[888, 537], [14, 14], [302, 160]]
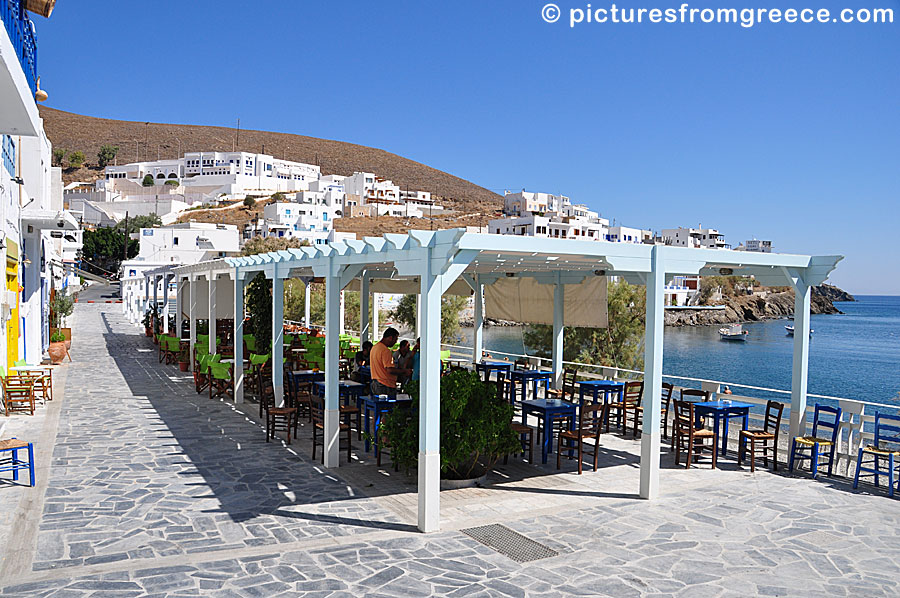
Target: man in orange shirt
[[384, 374]]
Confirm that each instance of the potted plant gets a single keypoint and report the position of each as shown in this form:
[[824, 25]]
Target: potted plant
[[184, 359], [147, 321], [57, 348], [61, 307], [475, 429]]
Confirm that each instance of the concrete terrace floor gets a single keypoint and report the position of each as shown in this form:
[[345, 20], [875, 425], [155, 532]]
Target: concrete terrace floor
[[147, 489]]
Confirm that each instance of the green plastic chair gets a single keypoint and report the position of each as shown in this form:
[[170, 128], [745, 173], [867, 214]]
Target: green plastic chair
[[20, 363], [203, 339], [445, 355], [250, 341]]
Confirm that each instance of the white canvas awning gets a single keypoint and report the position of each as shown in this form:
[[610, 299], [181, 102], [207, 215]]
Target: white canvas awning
[[531, 302]]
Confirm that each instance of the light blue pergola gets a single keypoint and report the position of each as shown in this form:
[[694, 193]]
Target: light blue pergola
[[438, 258]]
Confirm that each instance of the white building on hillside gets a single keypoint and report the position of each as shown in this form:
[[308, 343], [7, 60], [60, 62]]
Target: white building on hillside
[[205, 176], [547, 215], [707, 238], [625, 234], [756, 245], [313, 222]]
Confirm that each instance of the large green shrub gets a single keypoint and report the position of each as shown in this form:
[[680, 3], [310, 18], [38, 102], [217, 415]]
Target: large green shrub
[[475, 429], [259, 306]]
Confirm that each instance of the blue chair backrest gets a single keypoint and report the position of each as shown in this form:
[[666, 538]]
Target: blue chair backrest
[[834, 422], [887, 429]]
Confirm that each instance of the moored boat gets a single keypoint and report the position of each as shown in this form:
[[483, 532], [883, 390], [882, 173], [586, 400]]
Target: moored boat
[[790, 330], [733, 333]]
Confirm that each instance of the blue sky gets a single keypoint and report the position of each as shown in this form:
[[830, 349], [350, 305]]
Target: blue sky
[[783, 132]]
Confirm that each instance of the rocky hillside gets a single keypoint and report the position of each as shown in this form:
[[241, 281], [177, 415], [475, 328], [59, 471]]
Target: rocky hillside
[[85, 133], [754, 308], [832, 293]]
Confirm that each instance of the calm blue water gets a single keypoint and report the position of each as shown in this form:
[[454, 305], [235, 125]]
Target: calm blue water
[[855, 355]]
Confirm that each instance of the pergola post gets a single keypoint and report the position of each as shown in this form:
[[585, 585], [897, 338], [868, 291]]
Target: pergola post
[[278, 337], [306, 301], [364, 329], [165, 293], [192, 315], [653, 361], [155, 298], [146, 294], [418, 333], [799, 377], [179, 304], [430, 401], [342, 328], [238, 373], [211, 294], [559, 291], [375, 336], [331, 438], [478, 298]]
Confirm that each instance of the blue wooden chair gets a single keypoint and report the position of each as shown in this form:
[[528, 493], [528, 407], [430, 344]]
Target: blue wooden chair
[[13, 463], [886, 446], [818, 445]]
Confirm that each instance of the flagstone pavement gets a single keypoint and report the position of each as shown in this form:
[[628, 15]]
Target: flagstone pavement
[[146, 488]]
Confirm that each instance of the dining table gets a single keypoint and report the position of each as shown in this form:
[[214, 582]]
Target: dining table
[[308, 375], [486, 367], [722, 411], [534, 377], [547, 410], [594, 388], [379, 406]]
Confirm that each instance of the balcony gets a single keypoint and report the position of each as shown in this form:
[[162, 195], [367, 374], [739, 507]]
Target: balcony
[[18, 78], [21, 34]]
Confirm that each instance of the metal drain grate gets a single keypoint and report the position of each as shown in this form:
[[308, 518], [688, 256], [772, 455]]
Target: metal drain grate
[[509, 543]]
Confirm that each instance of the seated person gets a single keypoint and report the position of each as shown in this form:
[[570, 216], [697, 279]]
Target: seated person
[[384, 372], [360, 359], [403, 359]]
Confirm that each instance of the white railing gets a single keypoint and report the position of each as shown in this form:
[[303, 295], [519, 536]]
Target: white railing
[[856, 425]]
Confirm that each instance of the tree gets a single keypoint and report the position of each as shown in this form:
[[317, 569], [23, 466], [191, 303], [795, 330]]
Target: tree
[[619, 345], [278, 197], [102, 249], [76, 159], [148, 180], [451, 306], [59, 154], [259, 308], [107, 154], [136, 223], [249, 201], [172, 183]]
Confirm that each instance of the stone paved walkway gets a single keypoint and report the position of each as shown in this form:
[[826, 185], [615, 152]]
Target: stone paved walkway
[[153, 490]]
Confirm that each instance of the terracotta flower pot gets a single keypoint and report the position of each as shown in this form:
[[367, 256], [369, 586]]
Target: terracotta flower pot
[[147, 332], [183, 366], [57, 352]]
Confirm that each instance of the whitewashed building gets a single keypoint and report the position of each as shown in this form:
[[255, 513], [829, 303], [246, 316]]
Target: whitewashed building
[[702, 238], [547, 215], [309, 221], [626, 234], [33, 225], [755, 245]]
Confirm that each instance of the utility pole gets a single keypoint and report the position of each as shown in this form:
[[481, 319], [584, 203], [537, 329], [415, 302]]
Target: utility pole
[[237, 141]]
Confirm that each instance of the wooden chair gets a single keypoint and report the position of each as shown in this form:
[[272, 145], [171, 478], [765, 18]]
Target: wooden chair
[[630, 403], [318, 421], [221, 382], [686, 429], [692, 395], [524, 432], [590, 419], [769, 432], [886, 445], [17, 390], [818, 445], [567, 391], [667, 390], [344, 369], [40, 383]]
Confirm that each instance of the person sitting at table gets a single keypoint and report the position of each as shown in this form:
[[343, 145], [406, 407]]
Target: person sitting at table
[[361, 359], [414, 362], [384, 372], [403, 360]]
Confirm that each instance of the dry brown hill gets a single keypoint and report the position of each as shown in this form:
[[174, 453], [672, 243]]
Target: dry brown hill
[[76, 132]]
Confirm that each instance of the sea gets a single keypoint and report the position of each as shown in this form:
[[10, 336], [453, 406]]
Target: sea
[[853, 355]]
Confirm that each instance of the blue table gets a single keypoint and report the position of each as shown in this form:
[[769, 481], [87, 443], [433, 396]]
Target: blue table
[[548, 410], [377, 405], [595, 387], [723, 411], [307, 375], [532, 376], [486, 367], [346, 388]]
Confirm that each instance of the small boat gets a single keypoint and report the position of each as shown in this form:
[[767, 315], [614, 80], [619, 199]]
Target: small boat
[[733, 333], [790, 330]]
